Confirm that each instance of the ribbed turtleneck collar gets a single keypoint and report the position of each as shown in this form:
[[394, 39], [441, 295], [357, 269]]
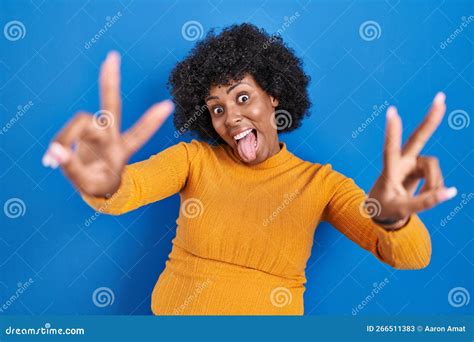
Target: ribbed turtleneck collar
[[276, 160]]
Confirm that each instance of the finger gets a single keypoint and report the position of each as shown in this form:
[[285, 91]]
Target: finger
[[147, 125], [393, 139], [411, 184], [418, 139], [110, 100], [60, 149], [431, 172], [429, 199], [71, 165], [80, 175], [75, 171]]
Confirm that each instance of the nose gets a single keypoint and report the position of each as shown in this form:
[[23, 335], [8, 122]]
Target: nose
[[234, 117]]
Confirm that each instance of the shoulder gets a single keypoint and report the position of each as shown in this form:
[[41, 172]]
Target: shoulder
[[323, 174], [317, 169], [195, 149]]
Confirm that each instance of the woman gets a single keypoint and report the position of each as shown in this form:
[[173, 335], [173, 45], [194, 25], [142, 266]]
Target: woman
[[249, 207]]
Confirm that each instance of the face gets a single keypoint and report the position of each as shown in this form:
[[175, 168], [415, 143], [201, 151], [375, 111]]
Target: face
[[242, 115]]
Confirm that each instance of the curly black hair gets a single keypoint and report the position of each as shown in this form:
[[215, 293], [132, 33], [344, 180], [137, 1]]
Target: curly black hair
[[229, 56]]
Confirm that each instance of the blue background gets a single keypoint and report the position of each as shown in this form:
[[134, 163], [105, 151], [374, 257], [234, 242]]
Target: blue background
[[51, 67]]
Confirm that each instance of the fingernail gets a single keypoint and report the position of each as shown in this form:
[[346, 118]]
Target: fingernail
[[57, 151], [391, 112], [439, 98], [55, 155], [49, 161], [449, 193], [114, 57], [46, 160], [169, 103]]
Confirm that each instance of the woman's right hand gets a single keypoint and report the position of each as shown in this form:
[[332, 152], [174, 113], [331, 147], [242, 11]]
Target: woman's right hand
[[91, 150]]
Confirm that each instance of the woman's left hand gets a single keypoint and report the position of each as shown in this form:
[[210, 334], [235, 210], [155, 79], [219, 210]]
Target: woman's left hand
[[393, 194]]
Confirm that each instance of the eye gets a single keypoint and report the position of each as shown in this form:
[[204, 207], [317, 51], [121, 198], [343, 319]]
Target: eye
[[243, 98], [218, 110]]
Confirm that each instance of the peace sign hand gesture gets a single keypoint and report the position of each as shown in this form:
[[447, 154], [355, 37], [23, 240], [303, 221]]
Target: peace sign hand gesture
[[91, 150], [393, 192]]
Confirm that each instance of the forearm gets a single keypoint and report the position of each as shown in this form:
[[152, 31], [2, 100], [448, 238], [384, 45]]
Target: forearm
[[122, 201], [148, 181], [408, 247]]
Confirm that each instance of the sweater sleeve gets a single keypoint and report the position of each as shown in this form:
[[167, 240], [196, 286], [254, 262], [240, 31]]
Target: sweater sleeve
[[406, 248], [151, 180]]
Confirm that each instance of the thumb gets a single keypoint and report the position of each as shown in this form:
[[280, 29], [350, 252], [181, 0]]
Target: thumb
[[429, 199]]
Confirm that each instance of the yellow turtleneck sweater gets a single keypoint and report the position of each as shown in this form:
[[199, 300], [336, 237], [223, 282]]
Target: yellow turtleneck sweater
[[244, 233]]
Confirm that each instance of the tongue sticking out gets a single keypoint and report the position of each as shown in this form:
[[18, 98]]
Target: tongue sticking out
[[247, 147]]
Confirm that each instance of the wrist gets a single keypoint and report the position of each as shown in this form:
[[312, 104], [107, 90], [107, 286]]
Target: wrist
[[390, 223]]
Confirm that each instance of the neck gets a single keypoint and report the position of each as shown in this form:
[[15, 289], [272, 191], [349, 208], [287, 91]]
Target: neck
[[275, 148]]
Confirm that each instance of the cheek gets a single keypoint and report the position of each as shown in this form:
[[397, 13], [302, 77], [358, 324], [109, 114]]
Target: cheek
[[219, 126], [261, 115]]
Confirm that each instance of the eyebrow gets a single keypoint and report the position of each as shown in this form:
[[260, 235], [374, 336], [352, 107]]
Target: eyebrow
[[227, 91]]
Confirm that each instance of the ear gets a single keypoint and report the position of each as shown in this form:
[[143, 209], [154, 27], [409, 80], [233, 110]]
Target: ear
[[274, 101]]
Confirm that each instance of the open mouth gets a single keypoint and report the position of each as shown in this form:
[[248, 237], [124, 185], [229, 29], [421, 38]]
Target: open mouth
[[247, 144]]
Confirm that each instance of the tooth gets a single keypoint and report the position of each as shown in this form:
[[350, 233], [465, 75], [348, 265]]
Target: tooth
[[243, 134]]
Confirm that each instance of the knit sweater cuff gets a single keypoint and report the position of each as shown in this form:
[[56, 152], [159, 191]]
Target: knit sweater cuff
[[117, 203], [406, 248]]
